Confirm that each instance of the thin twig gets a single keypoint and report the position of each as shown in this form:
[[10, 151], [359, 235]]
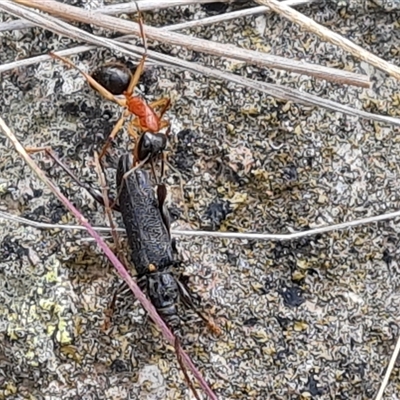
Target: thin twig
[[229, 15], [222, 235], [63, 28], [146, 5], [310, 25], [389, 371], [149, 5], [106, 200], [124, 8], [178, 350], [44, 225], [45, 57], [200, 22], [193, 43], [107, 251]]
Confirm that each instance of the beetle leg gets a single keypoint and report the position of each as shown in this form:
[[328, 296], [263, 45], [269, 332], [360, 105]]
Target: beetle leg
[[161, 196], [187, 299]]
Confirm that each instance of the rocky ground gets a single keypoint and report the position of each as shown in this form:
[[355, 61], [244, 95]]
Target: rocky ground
[[312, 318]]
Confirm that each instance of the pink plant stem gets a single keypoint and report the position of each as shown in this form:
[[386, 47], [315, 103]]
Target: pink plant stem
[[110, 255]]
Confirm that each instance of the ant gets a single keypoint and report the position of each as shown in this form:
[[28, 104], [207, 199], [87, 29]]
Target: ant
[[117, 79], [146, 120]]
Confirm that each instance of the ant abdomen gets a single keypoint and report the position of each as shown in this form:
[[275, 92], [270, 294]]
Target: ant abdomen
[[113, 76]]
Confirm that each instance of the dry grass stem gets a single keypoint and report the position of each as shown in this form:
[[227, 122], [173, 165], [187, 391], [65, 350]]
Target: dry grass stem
[[151, 5], [228, 16], [389, 371], [63, 28], [201, 45], [297, 96], [278, 91], [43, 225], [222, 235], [107, 251], [124, 8], [309, 25]]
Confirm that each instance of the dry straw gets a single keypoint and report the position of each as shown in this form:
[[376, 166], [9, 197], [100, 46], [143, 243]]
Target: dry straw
[[206, 46], [150, 5], [279, 237], [324, 33]]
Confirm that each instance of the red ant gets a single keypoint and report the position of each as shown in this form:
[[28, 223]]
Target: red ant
[[117, 79], [147, 120]]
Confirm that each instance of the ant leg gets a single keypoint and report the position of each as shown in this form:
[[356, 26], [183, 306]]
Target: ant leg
[[139, 70], [135, 77], [113, 133], [126, 175], [163, 159], [141, 26], [105, 93], [49, 151], [132, 132], [109, 312], [163, 162], [153, 171], [167, 105], [139, 165], [136, 139], [164, 102], [178, 352], [92, 82]]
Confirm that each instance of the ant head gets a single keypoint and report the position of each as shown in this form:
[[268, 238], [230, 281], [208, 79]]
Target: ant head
[[151, 145]]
